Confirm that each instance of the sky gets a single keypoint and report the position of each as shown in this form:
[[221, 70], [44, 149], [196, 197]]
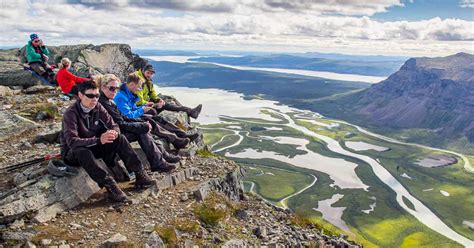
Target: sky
[[383, 27]]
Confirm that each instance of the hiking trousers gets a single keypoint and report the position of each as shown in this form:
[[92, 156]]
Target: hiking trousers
[[153, 153], [87, 158]]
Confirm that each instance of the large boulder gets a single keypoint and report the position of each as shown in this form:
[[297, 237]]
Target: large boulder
[[89, 59], [46, 196], [12, 71]]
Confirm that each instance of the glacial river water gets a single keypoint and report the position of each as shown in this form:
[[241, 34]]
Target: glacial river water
[[219, 103]]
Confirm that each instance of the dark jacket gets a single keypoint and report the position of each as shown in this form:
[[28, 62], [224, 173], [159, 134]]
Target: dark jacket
[[80, 129], [127, 125]]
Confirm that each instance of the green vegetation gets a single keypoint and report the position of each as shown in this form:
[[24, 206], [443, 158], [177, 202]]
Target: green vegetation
[[213, 136], [205, 153], [276, 184], [214, 209]]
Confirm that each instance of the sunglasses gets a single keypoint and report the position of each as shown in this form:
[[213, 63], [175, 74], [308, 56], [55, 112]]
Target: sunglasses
[[36, 41], [92, 95], [113, 89]]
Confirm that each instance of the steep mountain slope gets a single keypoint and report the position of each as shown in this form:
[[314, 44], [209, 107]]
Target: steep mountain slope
[[427, 93]]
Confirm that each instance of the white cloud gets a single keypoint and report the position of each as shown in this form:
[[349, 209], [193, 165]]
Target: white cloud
[[275, 30], [467, 3]]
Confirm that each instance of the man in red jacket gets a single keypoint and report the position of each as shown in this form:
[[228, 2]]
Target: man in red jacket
[[66, 80]]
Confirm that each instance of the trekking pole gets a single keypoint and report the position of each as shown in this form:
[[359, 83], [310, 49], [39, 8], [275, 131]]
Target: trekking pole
[[30, 162]]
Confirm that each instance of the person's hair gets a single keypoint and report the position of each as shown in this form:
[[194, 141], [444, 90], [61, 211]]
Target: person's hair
[[133, 78], [86, 85], [64, 63], [103, 80]]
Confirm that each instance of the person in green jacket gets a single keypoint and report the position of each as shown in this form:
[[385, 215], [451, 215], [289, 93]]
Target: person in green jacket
[[37, 56], [148, 96]]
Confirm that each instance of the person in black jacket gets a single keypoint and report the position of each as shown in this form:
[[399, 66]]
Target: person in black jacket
[[134, 129], [89, 133]]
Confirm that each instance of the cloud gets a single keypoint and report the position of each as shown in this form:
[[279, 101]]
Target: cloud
[[467, 3], [105, 21], [345, 7]]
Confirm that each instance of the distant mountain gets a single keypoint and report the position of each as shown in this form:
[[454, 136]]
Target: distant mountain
[[286, 88], [339, 56], [370, 68], [435, 94]]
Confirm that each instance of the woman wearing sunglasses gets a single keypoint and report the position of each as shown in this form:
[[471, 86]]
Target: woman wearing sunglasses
[[134, 129], [66, 80], [37, 56]]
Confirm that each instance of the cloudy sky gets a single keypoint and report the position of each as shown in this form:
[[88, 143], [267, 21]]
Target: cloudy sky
[[390, 27]]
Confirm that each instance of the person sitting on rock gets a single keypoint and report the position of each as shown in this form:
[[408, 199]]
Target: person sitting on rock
[[126, 99], [134, 129], [66, 80], [89, 133], [149, 96], [37, 57]]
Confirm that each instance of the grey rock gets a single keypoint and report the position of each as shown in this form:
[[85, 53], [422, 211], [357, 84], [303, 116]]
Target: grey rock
[[6, 91], [47, 197], [17, 224], [115, 241], [241, 214], [19, 236], [46, 242], [184, 197], [235, 243], [12, 124], [25, 146], [154, 241], [51, 135], [38, 89], [260, 232], [149, 227]]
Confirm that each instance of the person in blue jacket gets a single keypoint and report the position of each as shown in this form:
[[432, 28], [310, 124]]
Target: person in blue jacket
[[126, 100]]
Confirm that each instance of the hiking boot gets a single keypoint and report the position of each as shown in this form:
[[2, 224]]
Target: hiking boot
[[193, 136], [171, 158], [164, 167], [114, 191], [194, 113], [142, 180], [179, 143]]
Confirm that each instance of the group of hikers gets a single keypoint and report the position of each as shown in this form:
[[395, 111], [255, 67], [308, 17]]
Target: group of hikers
[[107, 116]]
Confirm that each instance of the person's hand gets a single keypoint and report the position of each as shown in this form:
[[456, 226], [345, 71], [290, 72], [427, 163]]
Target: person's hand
[[115, 133], [46, 58], [149, 126], [160, 103], [147, 108], [41, 43], [107, 137]]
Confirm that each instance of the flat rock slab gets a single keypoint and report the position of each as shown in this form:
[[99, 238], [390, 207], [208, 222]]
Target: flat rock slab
[[12, 124], [47, 197]]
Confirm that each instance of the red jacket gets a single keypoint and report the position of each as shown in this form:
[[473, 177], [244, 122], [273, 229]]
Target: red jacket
[[67, 80]]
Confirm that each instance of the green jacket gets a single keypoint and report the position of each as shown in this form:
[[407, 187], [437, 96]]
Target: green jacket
[[32, 55], [148, 93]]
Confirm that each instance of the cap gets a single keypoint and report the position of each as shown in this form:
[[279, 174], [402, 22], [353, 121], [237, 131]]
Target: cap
[[149, 68]]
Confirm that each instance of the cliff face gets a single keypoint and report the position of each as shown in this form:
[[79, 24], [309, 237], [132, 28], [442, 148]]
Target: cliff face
[[117, 59]]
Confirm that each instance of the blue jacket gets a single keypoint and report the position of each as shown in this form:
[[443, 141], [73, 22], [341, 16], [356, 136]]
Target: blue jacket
[[126, 103]]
